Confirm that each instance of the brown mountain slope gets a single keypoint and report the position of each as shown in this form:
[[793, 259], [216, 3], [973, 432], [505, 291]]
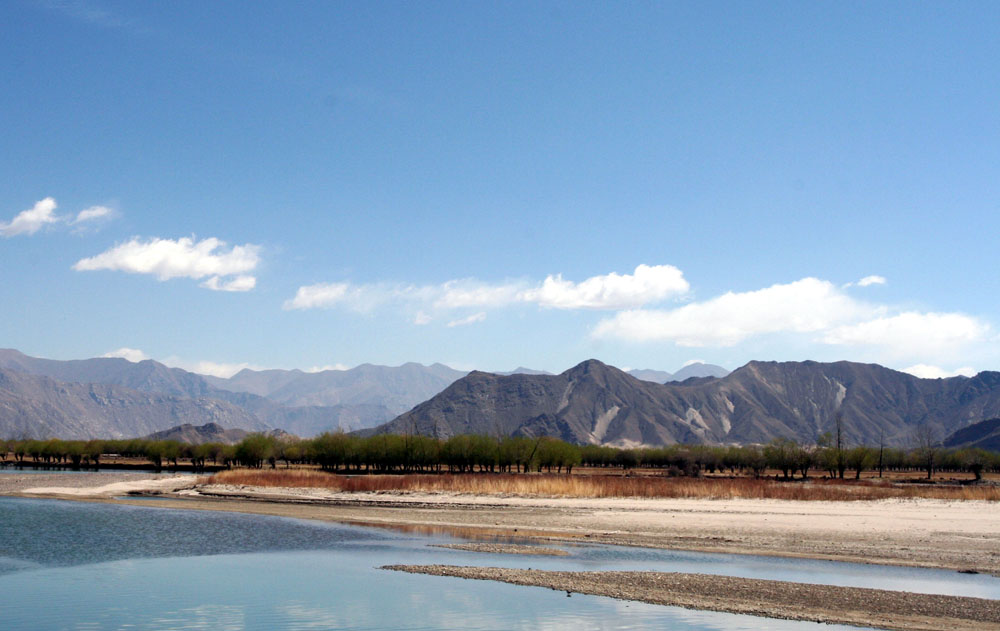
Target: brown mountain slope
[[596, 403]]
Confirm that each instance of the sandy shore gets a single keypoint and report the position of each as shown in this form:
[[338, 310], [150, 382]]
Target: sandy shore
[[902, 611], [925, 533], [91, 485]]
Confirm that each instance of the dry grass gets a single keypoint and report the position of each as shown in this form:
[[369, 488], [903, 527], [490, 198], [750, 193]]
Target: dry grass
[[605, 486]]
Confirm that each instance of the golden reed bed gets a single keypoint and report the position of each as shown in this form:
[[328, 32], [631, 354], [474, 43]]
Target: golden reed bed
[[545, 485]]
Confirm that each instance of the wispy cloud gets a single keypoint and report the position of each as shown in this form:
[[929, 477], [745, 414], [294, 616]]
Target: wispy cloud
[[472, 319], [32, 220], [182, 258], [867, 281], [648, 284], [42, 214]]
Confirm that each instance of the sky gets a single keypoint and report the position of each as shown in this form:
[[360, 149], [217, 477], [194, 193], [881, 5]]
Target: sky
[[497, 184]]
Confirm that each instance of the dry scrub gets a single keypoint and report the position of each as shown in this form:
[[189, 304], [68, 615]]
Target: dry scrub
[[604, 486]]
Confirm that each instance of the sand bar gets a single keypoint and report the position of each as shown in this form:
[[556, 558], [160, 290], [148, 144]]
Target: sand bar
[[902, 611]]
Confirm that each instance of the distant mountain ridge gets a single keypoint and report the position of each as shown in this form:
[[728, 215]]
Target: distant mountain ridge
[[369, 394], [396, 388], [596, 403], [36, 406], [694, 369]]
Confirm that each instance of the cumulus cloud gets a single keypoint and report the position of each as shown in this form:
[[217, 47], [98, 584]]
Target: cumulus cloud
[[912, 333], [32, 220], [927, 371], [472, 319], [804, 306], [422, 318], [132, 354], [648, 284], [183, 258]]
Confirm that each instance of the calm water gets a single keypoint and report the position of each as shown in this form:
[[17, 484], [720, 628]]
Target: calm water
[[69, 565]]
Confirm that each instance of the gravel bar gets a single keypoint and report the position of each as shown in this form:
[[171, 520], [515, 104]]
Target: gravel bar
[[903, 611]]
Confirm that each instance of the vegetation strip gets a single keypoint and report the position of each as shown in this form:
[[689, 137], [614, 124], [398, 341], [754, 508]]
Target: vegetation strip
[[902, 611], [596, 486]]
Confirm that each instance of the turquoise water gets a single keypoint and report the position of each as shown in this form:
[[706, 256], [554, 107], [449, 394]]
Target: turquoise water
[[71, 565]]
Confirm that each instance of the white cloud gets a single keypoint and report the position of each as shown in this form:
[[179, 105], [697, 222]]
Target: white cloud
[[692, 362], [132, 354], [205, 367], [361, 298], [912, 334], [32, 220], [456, 294], [240, 283], [648, 284], [93, 213], [183, 258], [472, 319], [872, 280], [926, 371], [804, 306], [327, 367]]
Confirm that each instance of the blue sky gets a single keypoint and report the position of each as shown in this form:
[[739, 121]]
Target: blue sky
[[488, 185]]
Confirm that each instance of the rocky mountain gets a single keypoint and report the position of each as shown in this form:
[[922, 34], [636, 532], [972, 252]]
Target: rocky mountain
[[198, 434], [35, 406], [596, 403], [393, 388], [209, 433], [981, 435]]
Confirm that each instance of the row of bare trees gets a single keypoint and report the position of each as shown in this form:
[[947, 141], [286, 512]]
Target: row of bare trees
[[391, 453]]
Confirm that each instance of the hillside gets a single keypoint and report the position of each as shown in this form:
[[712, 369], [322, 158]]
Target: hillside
[[982, 435], [596, 403]]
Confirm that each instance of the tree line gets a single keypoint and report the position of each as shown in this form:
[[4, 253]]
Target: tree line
[[394, 453]]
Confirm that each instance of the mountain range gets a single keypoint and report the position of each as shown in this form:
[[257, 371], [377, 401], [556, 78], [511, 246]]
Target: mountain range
[[593, 403], [33, 404]]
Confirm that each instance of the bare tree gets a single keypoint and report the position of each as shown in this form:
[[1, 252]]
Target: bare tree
[[927, 447]]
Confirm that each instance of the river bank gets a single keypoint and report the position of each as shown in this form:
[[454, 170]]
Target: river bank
[[957, 535]]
